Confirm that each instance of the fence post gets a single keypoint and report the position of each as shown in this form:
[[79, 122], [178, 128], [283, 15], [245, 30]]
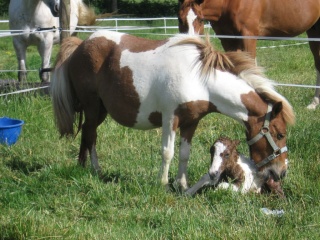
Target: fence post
[[64, 18]]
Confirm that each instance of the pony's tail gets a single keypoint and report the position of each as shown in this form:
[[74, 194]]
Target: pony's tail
[[87, 16], [63, 99]]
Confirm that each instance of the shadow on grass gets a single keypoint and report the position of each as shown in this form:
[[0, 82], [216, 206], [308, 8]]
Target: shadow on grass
[[23, 166]]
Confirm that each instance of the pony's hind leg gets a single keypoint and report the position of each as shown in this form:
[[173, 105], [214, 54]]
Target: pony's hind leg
[[89, 136]]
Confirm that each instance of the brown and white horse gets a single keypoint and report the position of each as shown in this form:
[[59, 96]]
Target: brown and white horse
[[231, 170], [271, 18], [172, 83]]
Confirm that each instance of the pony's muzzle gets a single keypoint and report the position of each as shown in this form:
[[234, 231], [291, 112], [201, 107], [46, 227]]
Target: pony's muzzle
[[214, 177], [276, 176]]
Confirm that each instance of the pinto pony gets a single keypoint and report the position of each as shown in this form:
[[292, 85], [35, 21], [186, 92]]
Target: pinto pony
[[249, 18], [30, 15], [171, 83], [231, 170]]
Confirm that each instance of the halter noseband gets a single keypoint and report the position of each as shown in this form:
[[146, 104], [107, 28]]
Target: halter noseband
[[265, 131]]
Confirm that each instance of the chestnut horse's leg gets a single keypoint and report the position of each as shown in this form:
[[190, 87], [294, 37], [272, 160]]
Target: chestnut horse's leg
[[314, 32]]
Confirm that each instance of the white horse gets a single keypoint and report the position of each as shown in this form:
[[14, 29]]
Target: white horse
[[30, 15]]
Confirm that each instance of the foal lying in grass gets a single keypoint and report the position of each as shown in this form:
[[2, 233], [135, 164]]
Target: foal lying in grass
[[229, 169]]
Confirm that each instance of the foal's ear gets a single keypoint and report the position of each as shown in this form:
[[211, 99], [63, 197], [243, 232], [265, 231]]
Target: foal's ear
[[276, 109], [236, 142]]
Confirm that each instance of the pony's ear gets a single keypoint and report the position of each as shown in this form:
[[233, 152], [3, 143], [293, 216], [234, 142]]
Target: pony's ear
[[276, 109], [236, 142]]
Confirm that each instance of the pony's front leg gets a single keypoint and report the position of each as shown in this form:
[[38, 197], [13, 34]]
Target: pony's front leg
[[184, 154], [168, 137]]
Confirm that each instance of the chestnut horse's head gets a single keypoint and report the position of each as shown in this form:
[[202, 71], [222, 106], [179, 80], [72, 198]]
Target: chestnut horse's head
[[190, 17]]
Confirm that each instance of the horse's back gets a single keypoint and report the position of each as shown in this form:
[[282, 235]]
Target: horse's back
[[291, 17], [135, 78], [273, 17]]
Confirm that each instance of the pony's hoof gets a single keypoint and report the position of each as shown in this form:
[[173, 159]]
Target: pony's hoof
[[313, 105]]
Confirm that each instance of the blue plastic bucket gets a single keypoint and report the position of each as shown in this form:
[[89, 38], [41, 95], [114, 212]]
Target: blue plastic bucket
[[10, 130]]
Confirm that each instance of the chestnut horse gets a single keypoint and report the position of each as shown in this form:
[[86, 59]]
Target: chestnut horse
[[172, 83], [255, 18]]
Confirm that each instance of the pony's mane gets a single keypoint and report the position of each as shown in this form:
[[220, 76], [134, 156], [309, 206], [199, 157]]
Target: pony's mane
[[242, 65]]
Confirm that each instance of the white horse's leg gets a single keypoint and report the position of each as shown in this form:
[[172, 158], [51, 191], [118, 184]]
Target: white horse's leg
[[315, 101], [184, 154], [45, 49], [168, 137], [20, 49]]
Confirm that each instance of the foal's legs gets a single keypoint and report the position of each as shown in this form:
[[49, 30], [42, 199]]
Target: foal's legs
[[20, 48], [314, 32]]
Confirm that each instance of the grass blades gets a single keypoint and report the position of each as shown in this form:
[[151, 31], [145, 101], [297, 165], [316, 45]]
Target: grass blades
[[44, 194]]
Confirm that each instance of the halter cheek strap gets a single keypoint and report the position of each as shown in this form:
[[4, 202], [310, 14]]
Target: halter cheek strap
[[265, 132]]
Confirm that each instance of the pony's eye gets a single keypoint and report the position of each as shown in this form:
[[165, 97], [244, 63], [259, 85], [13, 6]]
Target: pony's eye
[[226, 156], [280, 136]]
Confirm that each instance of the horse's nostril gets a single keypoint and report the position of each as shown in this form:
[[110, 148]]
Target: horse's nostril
[[56, 8], [274, 175], [213, 175], [283, 174]]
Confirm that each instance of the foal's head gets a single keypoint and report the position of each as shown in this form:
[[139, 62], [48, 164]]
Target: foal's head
[[224, 157]]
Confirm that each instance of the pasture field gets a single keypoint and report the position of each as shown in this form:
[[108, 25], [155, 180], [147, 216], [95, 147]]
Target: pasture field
[[44, 194]]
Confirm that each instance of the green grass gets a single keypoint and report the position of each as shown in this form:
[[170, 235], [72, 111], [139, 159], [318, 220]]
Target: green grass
[[44, 194]]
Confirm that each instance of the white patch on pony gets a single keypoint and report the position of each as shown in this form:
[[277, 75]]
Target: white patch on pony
[[217, 159], [190, 19], [110, 35], [171, 78], [286, 162], [226, 186], [249, 172], [227, 98]]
